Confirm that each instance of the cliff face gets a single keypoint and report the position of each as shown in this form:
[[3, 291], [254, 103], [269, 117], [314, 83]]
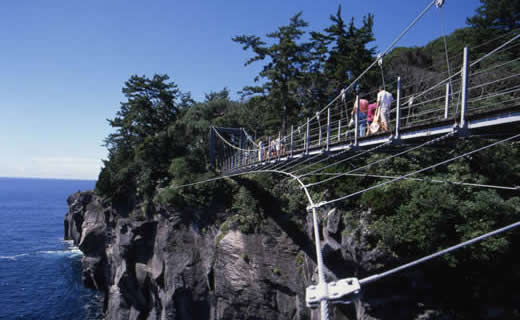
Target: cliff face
[[166, 267], [175, 266]]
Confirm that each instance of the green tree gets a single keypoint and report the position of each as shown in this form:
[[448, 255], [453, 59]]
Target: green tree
[[287, 56], [150, 108], [140, 149], [496, 16], [350, 54]]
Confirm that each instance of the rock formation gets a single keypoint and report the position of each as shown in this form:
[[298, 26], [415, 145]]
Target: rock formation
[[182, 265]]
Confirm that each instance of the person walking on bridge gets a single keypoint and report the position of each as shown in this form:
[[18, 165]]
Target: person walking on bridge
[[384, 101], [362, 115], [372, 107], [260, 151]]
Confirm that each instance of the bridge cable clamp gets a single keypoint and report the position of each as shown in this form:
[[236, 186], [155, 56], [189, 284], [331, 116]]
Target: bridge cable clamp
[[316, 205], [341, 291]]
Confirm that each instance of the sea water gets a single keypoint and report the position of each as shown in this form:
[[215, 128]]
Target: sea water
[[40, 273]]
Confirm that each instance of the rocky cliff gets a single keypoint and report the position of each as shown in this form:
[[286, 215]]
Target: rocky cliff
[[185, 265]]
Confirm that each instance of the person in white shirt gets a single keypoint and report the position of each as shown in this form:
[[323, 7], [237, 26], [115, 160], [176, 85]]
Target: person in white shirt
[[277, 146], [260, 150], [384, 101]]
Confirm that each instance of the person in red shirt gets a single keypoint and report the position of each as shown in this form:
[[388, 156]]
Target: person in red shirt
[[370, 115], [363, 109]]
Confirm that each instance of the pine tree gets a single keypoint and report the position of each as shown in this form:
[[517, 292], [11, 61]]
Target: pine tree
[[350, 54], [496, 16], [150, 107], [287, 59]]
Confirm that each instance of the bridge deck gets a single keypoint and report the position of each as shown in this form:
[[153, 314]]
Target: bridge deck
[[489, 123]]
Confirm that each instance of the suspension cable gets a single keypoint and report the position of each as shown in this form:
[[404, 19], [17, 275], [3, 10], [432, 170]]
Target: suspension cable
[[418, 171], [478, 185], [442, 252], [449, 134]]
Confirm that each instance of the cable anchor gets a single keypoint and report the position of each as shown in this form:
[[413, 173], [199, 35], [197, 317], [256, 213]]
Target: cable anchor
[[342, 291]]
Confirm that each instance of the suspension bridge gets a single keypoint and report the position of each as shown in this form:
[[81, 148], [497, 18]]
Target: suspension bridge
[[481, 98]]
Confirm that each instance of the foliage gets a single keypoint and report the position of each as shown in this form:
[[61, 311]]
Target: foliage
[[160, 142], [287, 59], [495, 16]]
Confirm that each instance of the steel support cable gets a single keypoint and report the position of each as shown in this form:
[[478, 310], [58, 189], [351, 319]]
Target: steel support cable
[[494, 81], [391, 46], [283, 163], [403, 33], [321, 272], [471, 65], [422, 112], [427, 80], [415, 96], [305, 160], [417, 171], [484, 106], [382, 160], [480, 45], [324, 159], [495, 50], [278, 163], [436, 85], [319, 257], [445, 45], [248, 137], [509, 47], [497, 38], [346, 159], [442, 252], [427, 107], [458, 183], [425, 102], [266, 148], [496, 94], [418, 121], [496, 66], [230, 144], [474, 104]]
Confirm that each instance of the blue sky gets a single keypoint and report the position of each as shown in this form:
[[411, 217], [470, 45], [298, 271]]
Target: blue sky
[[63, 63]]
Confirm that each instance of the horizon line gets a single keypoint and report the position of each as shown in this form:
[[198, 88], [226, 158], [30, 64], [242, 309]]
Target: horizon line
[[47, 178]]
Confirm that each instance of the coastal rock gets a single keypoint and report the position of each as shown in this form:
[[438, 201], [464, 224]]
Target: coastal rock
[[173, 265]]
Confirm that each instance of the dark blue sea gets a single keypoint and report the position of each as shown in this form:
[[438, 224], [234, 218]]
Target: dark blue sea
[[40, 274]]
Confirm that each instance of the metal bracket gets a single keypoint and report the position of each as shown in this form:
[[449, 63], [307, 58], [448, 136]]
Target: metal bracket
[[395, 140], [380, 59], [316, 205], [341, 291], [439, 3], [460, 131]]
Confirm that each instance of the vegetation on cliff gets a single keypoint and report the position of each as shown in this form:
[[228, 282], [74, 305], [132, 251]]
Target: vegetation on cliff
[[161, 141]]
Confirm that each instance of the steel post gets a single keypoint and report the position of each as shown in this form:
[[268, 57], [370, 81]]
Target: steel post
[[339, 130], [356, 121], [447, 102], [464, 88], [292, 141], [328, 128], [307, 138], [398, 108]]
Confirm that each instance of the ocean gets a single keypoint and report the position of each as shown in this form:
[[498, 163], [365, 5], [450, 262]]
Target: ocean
[[40, 273]]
